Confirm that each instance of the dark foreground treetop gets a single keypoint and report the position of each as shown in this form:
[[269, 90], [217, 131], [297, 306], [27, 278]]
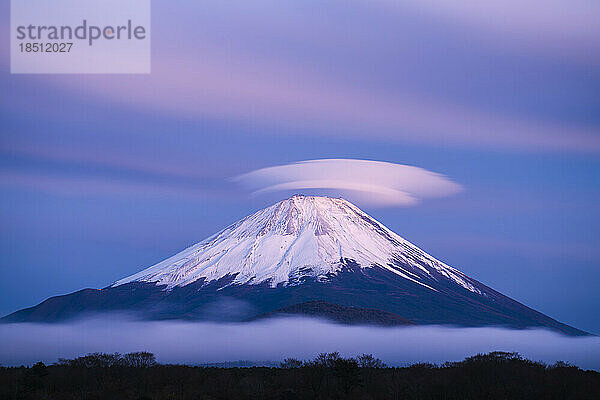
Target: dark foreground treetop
[[137, 376]]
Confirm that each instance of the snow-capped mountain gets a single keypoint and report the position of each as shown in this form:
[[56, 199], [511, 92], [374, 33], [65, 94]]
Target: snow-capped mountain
[[317, 254], [303, 236]]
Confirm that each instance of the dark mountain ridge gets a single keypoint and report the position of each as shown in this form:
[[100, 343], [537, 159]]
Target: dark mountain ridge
[[300, 250]]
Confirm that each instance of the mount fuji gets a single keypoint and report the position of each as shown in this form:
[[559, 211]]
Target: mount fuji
[[302, 255]]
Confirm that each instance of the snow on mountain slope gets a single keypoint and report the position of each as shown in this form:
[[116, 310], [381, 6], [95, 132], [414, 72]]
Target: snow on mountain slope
[[303, 236]]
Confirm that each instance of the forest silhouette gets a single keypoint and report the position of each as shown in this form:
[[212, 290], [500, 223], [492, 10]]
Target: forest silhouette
[[138, 376]]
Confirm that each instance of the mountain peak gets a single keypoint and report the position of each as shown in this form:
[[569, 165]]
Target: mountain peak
[[284, 257], [312, 205], [302, 237], [300, 212]]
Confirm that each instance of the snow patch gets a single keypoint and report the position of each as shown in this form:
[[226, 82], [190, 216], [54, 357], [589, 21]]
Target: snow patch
[[303, 236]]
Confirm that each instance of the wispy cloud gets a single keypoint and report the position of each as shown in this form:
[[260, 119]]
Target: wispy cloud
[[80, 171], [194, 343], [325, 77], [370, 182], [559, 28], [94, 186]]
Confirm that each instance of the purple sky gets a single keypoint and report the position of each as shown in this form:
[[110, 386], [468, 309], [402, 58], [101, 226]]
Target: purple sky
[[103, 175]]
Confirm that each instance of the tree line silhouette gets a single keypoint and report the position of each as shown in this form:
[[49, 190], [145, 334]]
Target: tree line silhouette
[[137, 376]]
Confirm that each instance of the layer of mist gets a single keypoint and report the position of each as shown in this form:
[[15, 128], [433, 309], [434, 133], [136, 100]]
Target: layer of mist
[[203, 342]]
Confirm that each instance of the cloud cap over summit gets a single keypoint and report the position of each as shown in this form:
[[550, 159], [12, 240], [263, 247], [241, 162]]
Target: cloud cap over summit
[[374, 183]]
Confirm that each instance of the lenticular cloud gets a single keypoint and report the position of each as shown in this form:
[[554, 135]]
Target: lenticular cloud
[[376, 183]]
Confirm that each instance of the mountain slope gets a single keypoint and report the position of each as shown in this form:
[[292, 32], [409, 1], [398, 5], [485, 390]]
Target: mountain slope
[[304, 236], [341, 314], [301, 249]]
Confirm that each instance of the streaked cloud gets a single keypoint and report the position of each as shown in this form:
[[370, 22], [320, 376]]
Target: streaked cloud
[[375, 183], [84, 172], [562, 28], [383, 81], [96, 186], [275, 94]]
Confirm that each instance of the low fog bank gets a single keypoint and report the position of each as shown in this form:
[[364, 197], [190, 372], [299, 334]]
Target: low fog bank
[[203, 342]]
